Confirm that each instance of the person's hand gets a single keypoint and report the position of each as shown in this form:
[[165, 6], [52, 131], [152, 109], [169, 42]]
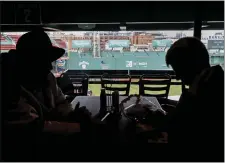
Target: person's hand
[[82, 112], [78, 114], [82, 116]]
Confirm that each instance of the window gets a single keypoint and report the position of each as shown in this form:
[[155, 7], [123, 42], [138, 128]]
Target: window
[[144, 50], [214, 42]]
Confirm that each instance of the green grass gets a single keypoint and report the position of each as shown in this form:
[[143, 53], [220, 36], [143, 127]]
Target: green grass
[[96, 88]]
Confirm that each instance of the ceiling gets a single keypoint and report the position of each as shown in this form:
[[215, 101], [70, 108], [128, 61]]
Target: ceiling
[[65, 15]]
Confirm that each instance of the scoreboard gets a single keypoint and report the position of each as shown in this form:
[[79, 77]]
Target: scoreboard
[[215, 44]]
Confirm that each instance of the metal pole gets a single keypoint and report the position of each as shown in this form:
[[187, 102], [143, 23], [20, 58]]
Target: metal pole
[[198, 21], [94, 43], [197, 28]]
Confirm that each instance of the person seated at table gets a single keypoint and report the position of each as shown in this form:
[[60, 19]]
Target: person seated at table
[[34, 102], [23, 120], [34, 51], [198, 118]]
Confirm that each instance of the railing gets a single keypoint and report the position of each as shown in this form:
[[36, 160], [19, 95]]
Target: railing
[[96, 79], [95, 75]]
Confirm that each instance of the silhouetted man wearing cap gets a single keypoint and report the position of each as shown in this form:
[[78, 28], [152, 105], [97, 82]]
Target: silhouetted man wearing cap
[[35, 54], [198, 119], [35, 103]]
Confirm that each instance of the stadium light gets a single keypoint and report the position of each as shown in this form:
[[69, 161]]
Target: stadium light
[[123, 26]]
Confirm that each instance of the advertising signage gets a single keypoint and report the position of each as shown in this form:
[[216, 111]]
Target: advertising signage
[[162, 43], [81, 44], [119, 43], [215, 44]]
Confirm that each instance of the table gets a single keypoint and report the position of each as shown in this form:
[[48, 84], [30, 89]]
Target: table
[[92, 103], [125, 132]]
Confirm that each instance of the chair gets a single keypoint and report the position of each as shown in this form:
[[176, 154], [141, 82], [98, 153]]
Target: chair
[[80, 83], [157, 85], [73, 85], [117, 82]]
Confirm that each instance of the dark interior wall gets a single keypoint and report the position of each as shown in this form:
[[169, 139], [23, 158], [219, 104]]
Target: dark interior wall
[[78, 12]]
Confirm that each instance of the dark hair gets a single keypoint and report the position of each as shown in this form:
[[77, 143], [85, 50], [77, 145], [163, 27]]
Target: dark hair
[[188, 50]]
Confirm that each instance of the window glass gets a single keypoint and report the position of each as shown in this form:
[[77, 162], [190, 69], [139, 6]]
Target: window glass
[[139, 50], [214, 42], [109, 50]]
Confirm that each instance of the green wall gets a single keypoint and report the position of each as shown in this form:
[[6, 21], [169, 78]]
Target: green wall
[[140, 61], [119, 61]]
